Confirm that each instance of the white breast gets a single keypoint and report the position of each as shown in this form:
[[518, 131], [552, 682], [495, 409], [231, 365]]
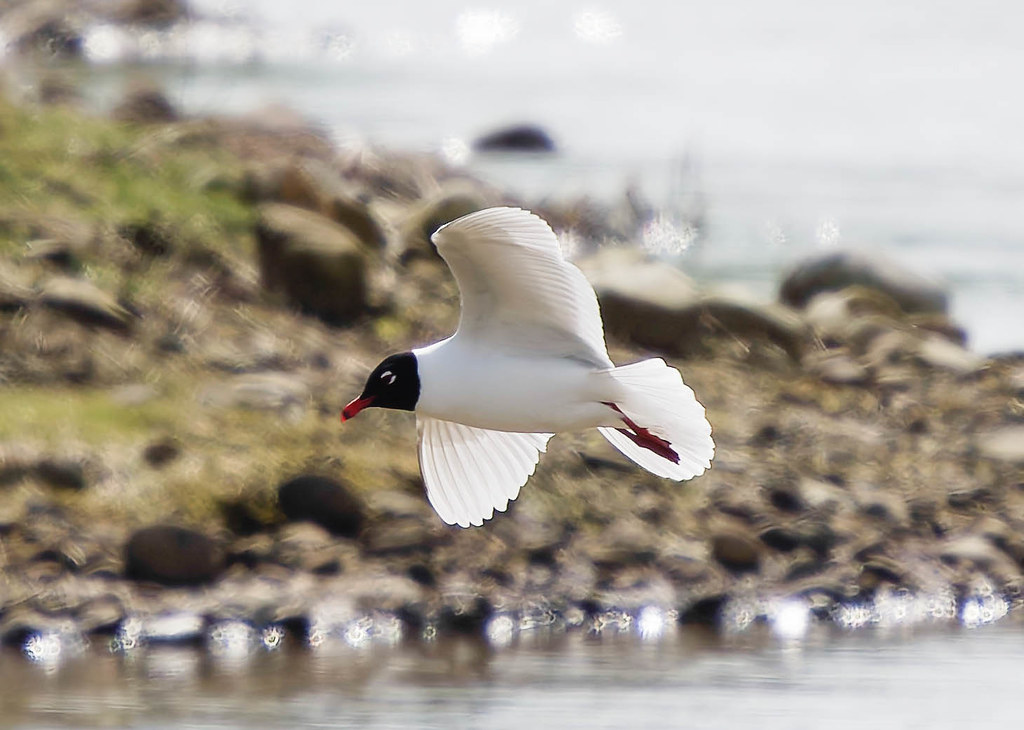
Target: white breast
[[490, 389]]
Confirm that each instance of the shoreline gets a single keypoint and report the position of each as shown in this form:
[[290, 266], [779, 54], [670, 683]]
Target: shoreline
[[168, 366]]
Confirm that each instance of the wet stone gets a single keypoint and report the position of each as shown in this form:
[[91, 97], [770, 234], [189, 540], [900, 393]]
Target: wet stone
[[172, 556], [783, 539], [736, 551], [323, 501]]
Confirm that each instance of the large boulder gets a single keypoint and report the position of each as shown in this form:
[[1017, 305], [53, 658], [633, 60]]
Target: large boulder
[[318, 265], [915, 294], [654, 305]]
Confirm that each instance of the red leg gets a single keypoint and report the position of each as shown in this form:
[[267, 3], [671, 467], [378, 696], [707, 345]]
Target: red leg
[[644, 438]]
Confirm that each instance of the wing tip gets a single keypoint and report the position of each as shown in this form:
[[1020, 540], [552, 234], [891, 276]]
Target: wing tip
[[486, 217]]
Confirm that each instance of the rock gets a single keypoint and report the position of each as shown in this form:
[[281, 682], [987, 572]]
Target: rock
[[280, 392], [148, 237], [145, 104], [834, 271], [452, 202], [654, 305], [317, 264], [44, 28], [172, 556], [356, 216], [324, 501], [838, 368], [61, 474], [1003, 444], [401, 537], [783, 539], [85, 303], [516, 138], [161, 452], [938, 352], [976, 550], [736, 551], [152, 13]]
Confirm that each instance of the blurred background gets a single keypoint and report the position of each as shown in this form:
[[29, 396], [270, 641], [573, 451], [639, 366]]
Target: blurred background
[[758, 131]]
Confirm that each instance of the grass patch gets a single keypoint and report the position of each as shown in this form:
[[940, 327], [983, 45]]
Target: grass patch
[[59, 162]]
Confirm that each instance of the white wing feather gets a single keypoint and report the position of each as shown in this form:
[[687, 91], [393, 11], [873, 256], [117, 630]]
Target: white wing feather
[[471, 472], [518, 293]]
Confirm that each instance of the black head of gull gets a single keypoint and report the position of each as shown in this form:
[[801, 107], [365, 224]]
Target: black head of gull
[[395, 383]]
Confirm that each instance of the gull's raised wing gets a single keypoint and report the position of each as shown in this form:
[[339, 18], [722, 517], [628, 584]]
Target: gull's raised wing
[[470, 472], [518, 292]]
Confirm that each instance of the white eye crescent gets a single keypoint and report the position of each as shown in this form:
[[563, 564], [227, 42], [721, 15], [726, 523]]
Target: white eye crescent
[[389, 376]]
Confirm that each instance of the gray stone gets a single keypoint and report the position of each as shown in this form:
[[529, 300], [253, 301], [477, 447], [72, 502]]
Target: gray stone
[[84, 302], [938, 352], [318, 265], [837, 270], [1002, 444], [654, 305]]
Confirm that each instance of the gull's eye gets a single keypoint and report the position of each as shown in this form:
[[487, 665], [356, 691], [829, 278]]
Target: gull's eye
[[389, 376]]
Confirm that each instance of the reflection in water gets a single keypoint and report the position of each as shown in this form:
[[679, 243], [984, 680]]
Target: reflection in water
[[539, 679]]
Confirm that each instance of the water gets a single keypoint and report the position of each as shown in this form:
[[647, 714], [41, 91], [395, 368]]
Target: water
[[950, 680]]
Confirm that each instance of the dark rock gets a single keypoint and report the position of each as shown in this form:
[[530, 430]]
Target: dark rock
[[516, 138], [317, 264], [172, 556], [736, 551], [161, 452], [85, 303], [783, 539], [149, 237], [145, 104], [61, 474], [838, 270], [44, 28], [465, 615], [423, 575], [705, 611], [324, 501]]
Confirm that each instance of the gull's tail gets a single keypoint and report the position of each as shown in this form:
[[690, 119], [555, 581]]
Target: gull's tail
[[664, 429]]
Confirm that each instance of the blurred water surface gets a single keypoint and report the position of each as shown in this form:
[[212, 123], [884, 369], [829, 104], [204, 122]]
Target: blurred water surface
[[967, 678]]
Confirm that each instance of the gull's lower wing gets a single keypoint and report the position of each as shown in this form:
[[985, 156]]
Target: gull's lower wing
[[471, 472]]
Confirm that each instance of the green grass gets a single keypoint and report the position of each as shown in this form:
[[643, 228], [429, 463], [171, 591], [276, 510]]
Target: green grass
[[59, 162]]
